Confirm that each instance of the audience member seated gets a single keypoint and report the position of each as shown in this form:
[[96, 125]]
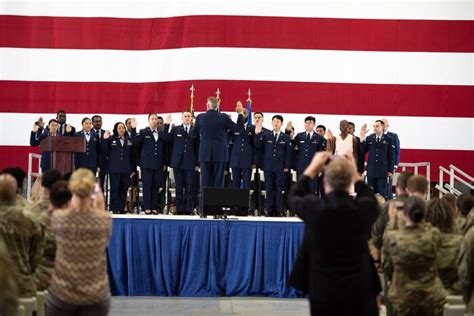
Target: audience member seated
[[465, 219], [8, 283], [410, 261], [23, 237], [39, 211], [466, 270], [440, 215], [80, 284], [19, 176]]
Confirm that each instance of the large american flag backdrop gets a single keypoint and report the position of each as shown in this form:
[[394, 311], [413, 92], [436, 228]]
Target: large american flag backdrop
[[409, 61]]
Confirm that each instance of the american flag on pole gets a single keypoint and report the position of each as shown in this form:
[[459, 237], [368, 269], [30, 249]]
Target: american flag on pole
[[408, 61]]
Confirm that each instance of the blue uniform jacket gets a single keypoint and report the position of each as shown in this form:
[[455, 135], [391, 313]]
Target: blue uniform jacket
[[381, 156], [396, 143], [276, 155], [242, 154], [212, 128], [89, 158], [119, 158], [183, 148], [35, 140], [152, 153], [305, 149]]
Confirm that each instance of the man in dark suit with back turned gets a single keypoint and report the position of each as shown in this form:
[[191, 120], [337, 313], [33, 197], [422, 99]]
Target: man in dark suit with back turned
[[334, 265], [212, 128]]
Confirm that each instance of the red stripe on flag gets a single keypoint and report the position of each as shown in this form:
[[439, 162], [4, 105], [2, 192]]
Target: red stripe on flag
[[12, 156], [237, 31], [284, 97]]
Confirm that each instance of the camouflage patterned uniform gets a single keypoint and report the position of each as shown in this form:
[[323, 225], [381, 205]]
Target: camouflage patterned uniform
[[448, 255], [464, 223], [24, 240], [380, 224], [21, 201], [8, 286], [44, 272], [466, 269], [410, 256]]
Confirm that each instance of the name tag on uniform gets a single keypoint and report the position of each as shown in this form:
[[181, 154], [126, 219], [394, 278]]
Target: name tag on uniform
[[114, 143], [179, 135], [384, 142], [283, 142], [129, 143], [370, 143], [302, 141], [236, 133], [250, 133], [315, 142], [269, 141], [147, 136]]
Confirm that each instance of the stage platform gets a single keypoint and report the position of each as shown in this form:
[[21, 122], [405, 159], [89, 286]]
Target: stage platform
[[168, 255]]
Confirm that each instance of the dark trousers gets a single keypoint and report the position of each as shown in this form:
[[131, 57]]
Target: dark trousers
[[56, 307], [162, 193], [274, 182], [119, 183], [379, 185], [102, 174], [151, 179], [312, 183], [239, 174], [212, 174], [184, 179]]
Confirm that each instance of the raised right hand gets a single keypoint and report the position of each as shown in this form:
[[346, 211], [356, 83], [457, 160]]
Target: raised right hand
[[363, 132], [106, 134]]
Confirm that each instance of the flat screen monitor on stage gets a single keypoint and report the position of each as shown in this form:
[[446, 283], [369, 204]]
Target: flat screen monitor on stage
[[225, 201]]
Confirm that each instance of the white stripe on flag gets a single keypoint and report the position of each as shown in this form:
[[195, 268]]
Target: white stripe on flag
[[227, 64], [359, 9]]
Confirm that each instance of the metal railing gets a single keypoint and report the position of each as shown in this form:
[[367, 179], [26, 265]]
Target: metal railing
[[455, 174], [416, 166], [32, 174]]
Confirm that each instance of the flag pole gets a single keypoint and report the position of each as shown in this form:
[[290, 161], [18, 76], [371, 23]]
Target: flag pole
[[191, 108], [249, 106], [218, 97]]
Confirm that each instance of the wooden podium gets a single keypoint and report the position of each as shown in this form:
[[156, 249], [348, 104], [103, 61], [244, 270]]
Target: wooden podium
[[62, 150]]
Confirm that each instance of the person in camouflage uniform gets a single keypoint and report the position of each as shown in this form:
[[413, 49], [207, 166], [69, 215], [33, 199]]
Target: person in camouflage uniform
[[8, 286], [23, 237], [19, 176], [379, 226], [466, 270], [41, 213], [465, 204], [440, 215], [410, 262]]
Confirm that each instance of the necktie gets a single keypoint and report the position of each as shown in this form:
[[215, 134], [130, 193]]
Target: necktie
[[275, 136], [186, 130], [155, 134], [87, 136], [121, 141], [308, 136], [378, 140]]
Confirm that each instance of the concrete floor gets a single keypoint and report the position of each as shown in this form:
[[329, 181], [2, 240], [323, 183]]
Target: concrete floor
[[208, 306]]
